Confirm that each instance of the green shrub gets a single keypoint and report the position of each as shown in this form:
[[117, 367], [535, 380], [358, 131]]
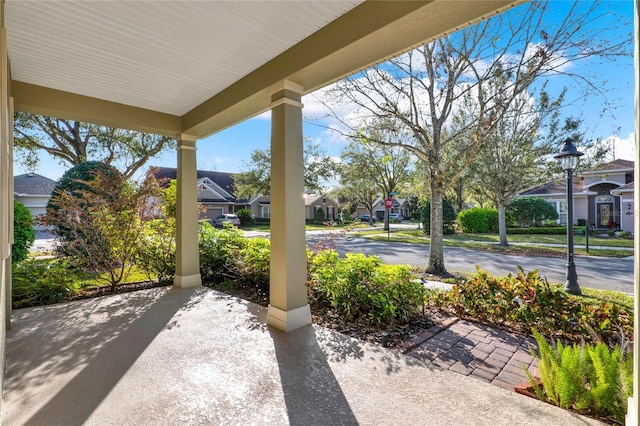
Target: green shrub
[[364, 289], [156, 249], [448, 217], [246, 217], [218, 248], [346, 216], [318, 214], [590, 379], [251, 266], [43, 282], [556, 230], [23, 233], [478, 220], [99, 223], [527, 300], [530, 211]]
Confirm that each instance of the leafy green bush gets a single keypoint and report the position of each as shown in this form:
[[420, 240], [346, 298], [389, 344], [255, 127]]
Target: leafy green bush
[[251, 266], [346, 216], [246, 217], [23, 233], [527, 300], [217, 248], [588, 379], [318, 214], [530, 211], [478, 220], [448, 217], [555, 230], [99, 223], [43, 282], [156, 249], [363, 288]]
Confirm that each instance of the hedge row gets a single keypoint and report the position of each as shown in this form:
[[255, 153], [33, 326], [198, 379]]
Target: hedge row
[[547, 230]]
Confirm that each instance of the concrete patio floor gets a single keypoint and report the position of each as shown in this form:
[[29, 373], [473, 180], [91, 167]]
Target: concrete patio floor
[[170, 356]]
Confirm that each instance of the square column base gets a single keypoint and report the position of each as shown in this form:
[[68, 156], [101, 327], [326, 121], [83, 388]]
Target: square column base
[[187, 281], [289, 320], [631, 417]]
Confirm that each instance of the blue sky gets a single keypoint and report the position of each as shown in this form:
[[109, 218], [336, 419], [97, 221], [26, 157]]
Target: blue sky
[[229, 149]]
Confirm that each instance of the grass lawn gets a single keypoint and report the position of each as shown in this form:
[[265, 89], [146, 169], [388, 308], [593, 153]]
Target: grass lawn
[[136, 275], [309, 227], [489, 242]]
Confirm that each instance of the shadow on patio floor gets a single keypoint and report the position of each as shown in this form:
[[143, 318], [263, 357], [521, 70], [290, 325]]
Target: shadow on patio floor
[[170, 356]]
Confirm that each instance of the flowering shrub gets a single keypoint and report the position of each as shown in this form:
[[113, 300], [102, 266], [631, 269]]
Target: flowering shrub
[[524, 301]]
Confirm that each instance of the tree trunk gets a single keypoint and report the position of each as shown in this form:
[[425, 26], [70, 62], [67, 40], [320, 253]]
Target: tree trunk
[[436, 249], [502, 225]]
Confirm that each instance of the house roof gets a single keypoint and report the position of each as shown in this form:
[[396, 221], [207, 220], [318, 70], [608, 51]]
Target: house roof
[[33, 184], [626, 188], [214, 181], [618, 164], [552, 187]]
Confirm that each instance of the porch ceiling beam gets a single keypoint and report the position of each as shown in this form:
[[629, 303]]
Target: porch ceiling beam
[[368, 34], [56, 103]]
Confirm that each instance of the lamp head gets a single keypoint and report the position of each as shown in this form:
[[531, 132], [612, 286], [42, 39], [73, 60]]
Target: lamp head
[[568, 155]]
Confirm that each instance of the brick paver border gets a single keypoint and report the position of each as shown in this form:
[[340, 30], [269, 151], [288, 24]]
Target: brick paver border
[[488, 354]]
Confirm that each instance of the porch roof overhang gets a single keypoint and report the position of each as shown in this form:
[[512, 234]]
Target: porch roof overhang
[[198, 67]]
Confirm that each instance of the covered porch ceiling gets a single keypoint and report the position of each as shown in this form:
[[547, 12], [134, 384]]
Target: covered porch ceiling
[[197, 67]]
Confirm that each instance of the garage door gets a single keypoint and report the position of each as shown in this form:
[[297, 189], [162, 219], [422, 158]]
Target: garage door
[[213, 213]]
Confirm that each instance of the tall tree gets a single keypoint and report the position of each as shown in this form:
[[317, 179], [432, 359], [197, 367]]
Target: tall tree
[[73, 143], [386, 168], [356, 189], [514, 156], [255, 179], [420, 91]]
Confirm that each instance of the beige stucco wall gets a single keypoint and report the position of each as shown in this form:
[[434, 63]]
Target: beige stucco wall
[[605, 177], [580, 208], [627, 207]]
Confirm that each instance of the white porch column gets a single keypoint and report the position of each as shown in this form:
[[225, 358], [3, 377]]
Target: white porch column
[[187, 258], [288, 303], [633, 406]]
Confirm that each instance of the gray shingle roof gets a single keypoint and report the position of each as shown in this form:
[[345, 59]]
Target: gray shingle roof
[[223, 179], [33, 184], [554, 187], [616, 165]]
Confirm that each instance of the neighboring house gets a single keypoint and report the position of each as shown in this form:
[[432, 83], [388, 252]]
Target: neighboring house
[[603, 197], [216, 191], [313, 201], [261, 206], [399, 205], [33, 191], [216, 195]]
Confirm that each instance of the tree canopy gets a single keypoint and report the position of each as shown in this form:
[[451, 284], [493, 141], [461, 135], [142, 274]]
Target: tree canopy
[[74, 142], [255, 178], [419, 92]]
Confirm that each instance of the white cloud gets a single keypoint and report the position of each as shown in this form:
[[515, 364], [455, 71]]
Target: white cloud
[[624, 148], [223, 160]]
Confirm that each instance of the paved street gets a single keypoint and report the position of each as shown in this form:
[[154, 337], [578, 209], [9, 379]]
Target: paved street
[[595, 272]]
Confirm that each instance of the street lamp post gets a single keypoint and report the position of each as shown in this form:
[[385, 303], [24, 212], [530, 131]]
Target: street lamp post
[[568, 158]]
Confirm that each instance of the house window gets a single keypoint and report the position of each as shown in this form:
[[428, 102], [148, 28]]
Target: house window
[[562, 212], [561, 208], [266, 212]]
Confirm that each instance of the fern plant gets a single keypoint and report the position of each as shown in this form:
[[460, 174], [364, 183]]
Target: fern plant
[[586, 378]]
